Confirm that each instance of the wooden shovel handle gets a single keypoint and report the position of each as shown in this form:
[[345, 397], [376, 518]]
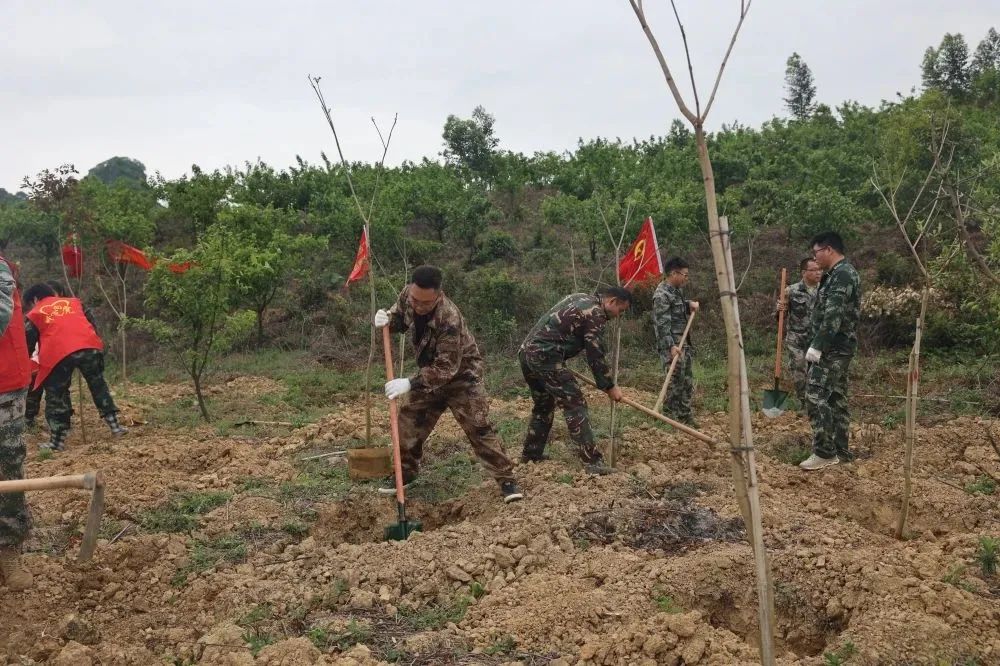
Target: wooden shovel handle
[[393, 418], [87, 481], [781, 324]]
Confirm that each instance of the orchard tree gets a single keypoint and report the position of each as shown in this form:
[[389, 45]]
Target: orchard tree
[[946, 68], [193, 204], [799, 88], [192, 310], [116, 169]]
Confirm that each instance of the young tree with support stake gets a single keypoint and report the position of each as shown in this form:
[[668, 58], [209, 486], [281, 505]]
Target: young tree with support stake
[[740, 434]]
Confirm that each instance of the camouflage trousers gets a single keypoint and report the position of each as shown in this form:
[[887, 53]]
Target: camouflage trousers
[[798, 368], [551, 386], [826, 397], [33, 403], [677, 404], [15, 518], [470, 406], [58, 408]]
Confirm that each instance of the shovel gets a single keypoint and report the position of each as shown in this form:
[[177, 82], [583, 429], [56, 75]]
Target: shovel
[[774, 400], [398, 531], [92, 481], [673, 364]]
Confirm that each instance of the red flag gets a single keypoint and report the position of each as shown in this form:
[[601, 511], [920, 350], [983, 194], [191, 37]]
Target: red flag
[[180, 268], [361, 263], [72, 257], [642, 261], [126, 254]]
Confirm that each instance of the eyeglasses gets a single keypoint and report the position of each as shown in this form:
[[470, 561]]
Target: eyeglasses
[[820, 249], [682, 274]]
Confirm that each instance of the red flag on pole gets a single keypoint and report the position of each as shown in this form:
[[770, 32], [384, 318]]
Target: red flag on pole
[[126, 254], [361, 262], [642, 260], [180, 268], [72, 257]]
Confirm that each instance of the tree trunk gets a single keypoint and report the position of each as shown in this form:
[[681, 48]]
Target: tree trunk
[[912, 390], [201, 398], [963, 233], [593, 250], [740, 434], [260, 326]]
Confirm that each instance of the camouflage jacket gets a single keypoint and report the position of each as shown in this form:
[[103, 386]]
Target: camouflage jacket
[[446, 351], [574, 324], [7, 286], [838, 309], [670, 316], [800, 301]]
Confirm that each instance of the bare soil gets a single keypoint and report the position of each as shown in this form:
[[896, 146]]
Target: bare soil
[[644, 566]]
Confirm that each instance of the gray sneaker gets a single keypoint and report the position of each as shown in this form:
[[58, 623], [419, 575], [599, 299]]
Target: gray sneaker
[[815, 462]]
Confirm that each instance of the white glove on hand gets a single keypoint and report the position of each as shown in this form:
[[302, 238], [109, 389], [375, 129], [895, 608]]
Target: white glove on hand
[[813, 355], [396, 388], [381, 319]]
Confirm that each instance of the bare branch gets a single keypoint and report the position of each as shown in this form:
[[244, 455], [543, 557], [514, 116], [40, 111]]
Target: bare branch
[[744, 8], [671, 83], [381, 162], [314, 82], [750, 243], [687, 55]]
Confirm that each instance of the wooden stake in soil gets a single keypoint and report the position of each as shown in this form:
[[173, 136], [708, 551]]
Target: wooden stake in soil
[[912, 388]]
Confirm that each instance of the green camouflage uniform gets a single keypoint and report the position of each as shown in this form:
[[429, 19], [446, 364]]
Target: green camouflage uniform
[[15, 518], [90, 363], [670, 316], [575, 324], [835, 334], [450, 376], [800, 300]]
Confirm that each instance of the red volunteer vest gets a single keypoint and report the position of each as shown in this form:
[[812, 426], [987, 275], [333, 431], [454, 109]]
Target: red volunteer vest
[[62, 330], [15, 368]]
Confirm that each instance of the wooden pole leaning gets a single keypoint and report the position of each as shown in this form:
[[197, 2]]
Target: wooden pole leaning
[[673, 364]]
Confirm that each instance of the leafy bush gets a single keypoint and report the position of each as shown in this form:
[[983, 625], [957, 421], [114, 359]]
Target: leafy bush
[[495, 245]]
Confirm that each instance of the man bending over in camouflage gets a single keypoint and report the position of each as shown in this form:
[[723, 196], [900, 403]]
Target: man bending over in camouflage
[[800, 300], [450, 376], [834, 342], [670, 315], [575, 324], [15, 374]]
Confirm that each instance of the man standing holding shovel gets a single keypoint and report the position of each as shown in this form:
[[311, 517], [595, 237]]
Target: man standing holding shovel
[[670, 316], [800, 299], [834, 343], [450, 376]]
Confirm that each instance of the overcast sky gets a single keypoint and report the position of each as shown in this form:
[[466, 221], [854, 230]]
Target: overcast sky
[[216, 83]]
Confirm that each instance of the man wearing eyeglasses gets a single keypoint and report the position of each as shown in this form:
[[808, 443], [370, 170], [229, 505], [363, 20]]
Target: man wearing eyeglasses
[[800, 299], [670, 314], [834, 343], [449, 376]]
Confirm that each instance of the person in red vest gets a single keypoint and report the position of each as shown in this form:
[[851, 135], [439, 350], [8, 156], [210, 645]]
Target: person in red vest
[[67, 340], [33, 405], [15, 374]]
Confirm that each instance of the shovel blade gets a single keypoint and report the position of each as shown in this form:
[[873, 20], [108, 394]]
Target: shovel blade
[[774, 403], [402, 530], [93, 523]]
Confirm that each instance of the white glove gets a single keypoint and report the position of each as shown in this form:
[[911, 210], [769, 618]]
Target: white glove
[[381, 319], [813, 355], [396, 388]]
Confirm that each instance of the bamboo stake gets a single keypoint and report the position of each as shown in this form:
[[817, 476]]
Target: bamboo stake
[[912, 387], [673, 364], [79, 400]]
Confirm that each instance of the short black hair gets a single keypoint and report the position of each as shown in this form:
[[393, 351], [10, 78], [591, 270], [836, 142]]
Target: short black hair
[[621, 293], [57, 287], [427, 277], [35, 293], [828, 239], [805, 263], [674, 264]]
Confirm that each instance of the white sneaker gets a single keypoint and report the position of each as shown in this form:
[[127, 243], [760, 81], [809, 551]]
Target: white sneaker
[[815, 462]]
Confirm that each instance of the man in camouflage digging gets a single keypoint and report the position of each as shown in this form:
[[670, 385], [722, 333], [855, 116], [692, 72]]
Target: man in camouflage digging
[[450, 376], [575, 324]]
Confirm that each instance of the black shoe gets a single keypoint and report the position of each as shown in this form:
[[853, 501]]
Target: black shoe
[[596, 467], [510, 492], [388, 486], [57, 442], [533, 457], [117, 429]]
